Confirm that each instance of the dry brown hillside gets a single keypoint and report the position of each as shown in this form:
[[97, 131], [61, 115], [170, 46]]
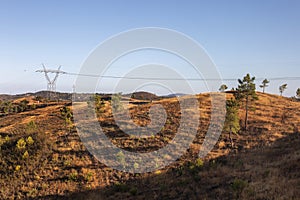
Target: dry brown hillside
[[263, 164]]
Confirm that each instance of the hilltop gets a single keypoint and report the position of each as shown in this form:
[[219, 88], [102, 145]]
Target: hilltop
[[264, 163]]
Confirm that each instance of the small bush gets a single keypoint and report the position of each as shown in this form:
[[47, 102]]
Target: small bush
[[31, 127], [135, 165], [120, 187], [17, 168], [25, 155], [29, 141], [89, 176], [121, 158], [21, 144], [238, 185], [199, 163], [133, 191], [1, 141], [116, 102], [7, 139], [73, 176]]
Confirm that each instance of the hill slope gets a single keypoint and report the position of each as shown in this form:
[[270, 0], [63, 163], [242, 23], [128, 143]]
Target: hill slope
[[264, 161]]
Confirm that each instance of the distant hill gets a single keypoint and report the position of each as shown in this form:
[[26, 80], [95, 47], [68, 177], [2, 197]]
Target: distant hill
[[143, 96], [6, 97], [174, 95], [45, 94], [42, 94]]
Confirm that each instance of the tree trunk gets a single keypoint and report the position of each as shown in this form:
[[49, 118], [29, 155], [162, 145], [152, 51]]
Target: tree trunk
[[230, 139], [246, 116], [263, 90]]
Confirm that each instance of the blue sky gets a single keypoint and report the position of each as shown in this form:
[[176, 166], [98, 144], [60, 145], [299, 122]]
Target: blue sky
[[259, 37]]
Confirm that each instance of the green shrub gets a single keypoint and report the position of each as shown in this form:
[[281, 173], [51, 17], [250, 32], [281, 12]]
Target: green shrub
[[116, 102], [1, 141], [25, 155], [199, 163], [135, 165], [89, 176], [17, 168], [121, 158], [7, 139], [66, 113], [121, 187], [133, 191], [29, 141], [21, 144], [31, 127], [238, 184], [73, 176]]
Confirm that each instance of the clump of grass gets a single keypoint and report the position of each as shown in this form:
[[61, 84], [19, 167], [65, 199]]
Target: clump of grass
[[73, 176], [31, 127], [238, 186], [4, 140], [133, 191], [121, 187], [195, 166], [89, 176]]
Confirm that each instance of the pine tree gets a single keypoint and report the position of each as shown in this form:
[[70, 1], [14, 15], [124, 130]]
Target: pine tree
[[223, 88], [232, 125], [282, 88], [298, 93], [246, 93], [264, 84]]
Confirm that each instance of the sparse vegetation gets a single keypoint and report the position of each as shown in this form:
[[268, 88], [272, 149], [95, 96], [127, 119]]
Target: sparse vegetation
[[36, 162], [67, 115], [9, 107], [20, 158]]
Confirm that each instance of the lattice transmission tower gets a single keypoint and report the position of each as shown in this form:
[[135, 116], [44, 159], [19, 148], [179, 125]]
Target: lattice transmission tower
[[51, 83]]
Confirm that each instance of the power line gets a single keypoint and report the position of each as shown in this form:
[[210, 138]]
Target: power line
[[176, 79]]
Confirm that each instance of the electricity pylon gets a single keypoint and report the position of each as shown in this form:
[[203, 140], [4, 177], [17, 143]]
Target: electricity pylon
[[51, 84]]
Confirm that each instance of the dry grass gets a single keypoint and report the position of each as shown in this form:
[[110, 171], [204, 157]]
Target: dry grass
[[263, 165]]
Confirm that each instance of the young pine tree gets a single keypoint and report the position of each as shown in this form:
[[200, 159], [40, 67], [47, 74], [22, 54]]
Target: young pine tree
[[298, 93], [245, 93], [282, 88], [264, 84], [223, 88], [232, 125]]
